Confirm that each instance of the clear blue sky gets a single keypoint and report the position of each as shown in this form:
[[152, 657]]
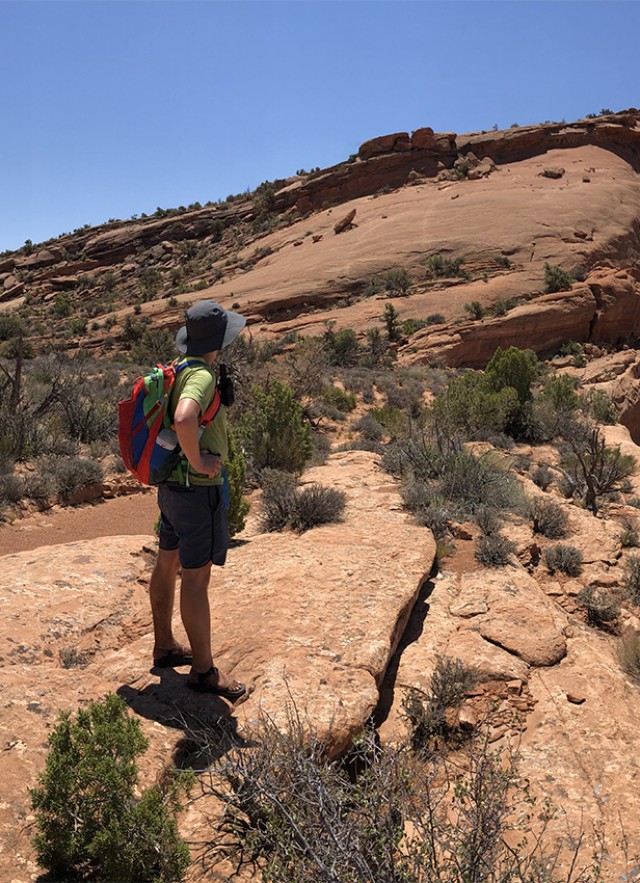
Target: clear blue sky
[[115, 108]]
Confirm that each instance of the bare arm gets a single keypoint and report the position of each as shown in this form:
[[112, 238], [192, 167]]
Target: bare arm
[[187, 421]]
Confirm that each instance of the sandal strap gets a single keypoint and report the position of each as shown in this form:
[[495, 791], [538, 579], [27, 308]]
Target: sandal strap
[[204, 676]]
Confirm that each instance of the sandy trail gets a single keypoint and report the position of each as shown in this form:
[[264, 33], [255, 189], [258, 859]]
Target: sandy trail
[[130, 515]]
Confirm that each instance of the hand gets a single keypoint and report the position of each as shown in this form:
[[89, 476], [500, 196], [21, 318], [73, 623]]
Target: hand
[[210, 464]]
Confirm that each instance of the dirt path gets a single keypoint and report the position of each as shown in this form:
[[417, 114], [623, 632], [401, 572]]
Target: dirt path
[[134, 514]]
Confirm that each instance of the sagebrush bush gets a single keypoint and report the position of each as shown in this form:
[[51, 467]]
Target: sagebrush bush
[[629, 535], [629, 654], [556, 279], [315, 505], [369, 428], [631, 578], [542, 476], [425, 712], [74, 473], [338, 398], [278, 499], [89, 822], [601, 607], [494, 550], [564, 558], [283, 505], [549, 518]]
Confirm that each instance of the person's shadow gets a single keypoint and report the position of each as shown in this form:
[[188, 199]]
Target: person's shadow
[[208, 728]]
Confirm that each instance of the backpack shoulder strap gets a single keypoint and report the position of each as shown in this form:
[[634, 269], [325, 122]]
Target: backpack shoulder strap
[[214, 407]]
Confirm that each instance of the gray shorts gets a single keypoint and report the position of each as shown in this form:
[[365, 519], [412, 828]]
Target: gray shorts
[[193, 520]]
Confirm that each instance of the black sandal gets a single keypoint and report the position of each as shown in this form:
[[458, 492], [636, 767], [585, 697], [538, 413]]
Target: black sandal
[[202, 685], [172, 659]]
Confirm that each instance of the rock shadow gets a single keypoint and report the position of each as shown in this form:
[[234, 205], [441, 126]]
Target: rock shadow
[[411, 634]]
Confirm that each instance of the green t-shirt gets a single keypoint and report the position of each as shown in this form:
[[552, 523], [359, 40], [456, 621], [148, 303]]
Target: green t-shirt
[[198, 382]]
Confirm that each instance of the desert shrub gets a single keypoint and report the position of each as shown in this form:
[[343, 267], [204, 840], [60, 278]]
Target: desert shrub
[[283, 505], [594, 468], [488, 519], [61, 307], [476, 482], [89, 822], [278, 499], [601, 607], [397, 281], [392, 419], [74, 473], [565, 558], [629, 535], [315, 505], [391, 319], [559, 391], [629, 654], [155, 345], [239, 506], [307, 365], [297, 818], [472, 408], [556, 279], [40, 486], [369, 428], [71, 657], [273, 430], [337, 398], [502, 306], [601, 407], [342, 347], [631, 578], [11, 489], [494, 550], [426, 712], [11, 326], [515, 369], [475, 309], [441, 267], [542, 476], [549, 518]]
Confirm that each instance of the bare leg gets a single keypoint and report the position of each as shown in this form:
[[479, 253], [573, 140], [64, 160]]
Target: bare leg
[[162, 589], [196, 616]]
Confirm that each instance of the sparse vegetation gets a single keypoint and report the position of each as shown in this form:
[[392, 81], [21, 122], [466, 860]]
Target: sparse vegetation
[[631, 578], [440, 267], [629, 654], [549, 518], [284, 505], [494, 550], [556, 279], [564, 558], [601, 607]]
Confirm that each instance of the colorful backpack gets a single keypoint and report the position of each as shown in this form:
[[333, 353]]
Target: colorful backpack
[[148, 445]]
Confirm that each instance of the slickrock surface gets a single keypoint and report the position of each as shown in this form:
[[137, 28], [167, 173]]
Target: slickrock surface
[[556, 692], [308, 620]]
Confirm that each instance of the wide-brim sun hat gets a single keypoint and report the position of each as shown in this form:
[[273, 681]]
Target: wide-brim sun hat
[[208, 327]]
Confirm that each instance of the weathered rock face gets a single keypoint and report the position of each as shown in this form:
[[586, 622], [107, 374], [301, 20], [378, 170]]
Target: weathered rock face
[[310, 620], [605, 309]]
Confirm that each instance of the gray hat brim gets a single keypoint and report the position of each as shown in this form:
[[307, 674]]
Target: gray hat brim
[[235, 324]]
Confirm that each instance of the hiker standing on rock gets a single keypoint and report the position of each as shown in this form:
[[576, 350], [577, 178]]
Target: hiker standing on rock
[[194, 532]]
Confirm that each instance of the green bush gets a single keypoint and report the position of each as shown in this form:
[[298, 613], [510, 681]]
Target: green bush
[[629, 535], [556, 279], [549, 518], [441, 267], [239, 506], [564, 558], [397, 281], [472, 408], [475, 309], [342, 347], [392, 419], [337, 398], [89, 822], [273, 430]]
